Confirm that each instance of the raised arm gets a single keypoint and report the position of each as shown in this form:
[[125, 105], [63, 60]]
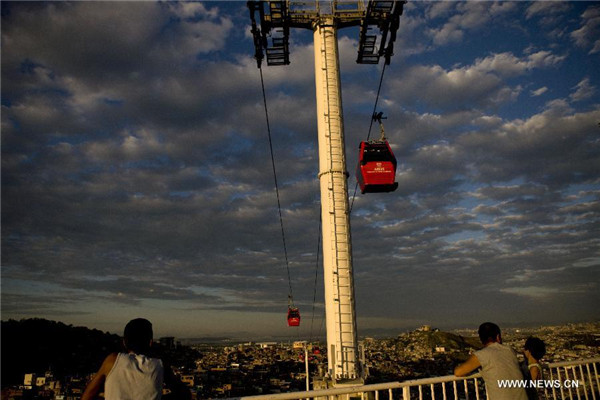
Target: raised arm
[[95, 385], [468, 366]]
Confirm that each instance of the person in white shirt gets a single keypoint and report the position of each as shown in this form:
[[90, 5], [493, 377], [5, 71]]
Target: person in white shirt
[[497, 362], [134, 374]]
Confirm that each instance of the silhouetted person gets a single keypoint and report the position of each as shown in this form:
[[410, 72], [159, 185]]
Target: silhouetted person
[[498, 363], [134, 375], [534, 350]]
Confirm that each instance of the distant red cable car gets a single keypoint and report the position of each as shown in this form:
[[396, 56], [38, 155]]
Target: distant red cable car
[[293, 316], [376, 170]]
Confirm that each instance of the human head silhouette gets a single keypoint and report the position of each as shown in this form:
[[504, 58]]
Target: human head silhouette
[[489, 332], [138, 335], [536, 347]]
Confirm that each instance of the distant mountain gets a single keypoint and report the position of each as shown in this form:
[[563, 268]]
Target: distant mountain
[[426, 341], [38, 345], [449, 340]]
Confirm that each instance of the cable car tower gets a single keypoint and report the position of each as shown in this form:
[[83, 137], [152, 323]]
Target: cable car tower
[[378, 22]]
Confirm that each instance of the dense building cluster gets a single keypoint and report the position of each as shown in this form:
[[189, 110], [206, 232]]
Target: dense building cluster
[[427, 352], [213, 371], [252, 368]]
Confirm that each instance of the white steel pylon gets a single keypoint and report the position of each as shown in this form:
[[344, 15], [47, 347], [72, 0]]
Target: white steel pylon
[[275, 18], [342, 345]]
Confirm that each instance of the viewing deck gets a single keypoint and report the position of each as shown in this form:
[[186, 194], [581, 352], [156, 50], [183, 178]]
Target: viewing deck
[[562, 380]]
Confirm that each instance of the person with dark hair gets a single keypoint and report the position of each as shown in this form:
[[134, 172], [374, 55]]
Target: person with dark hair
[[134, 374], [498, 364], [534, 350], [138, 335]]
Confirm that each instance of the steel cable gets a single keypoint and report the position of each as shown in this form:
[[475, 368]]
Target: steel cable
[[287, 264], [370, 127]]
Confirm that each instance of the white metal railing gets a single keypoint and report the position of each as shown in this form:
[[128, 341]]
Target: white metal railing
[[568, 380], [573, 380]]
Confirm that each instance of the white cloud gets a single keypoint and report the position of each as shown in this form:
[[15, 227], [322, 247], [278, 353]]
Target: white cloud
[[193, 9], [584, 90], [533, 292], [482, 84], [545, 8], [539, 92], [447, 34], [589, 33], [200, 30], [543, 59], [548, 292], [438, 9], [469, 17]]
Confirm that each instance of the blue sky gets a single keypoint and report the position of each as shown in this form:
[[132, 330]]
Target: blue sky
[[136, 175]]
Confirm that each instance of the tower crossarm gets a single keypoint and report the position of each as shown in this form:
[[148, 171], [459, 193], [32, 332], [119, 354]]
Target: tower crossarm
[[385, 16], [272, 20]]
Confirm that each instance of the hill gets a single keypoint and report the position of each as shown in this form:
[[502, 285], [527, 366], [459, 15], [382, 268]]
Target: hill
[[448, 340], [38, 345]]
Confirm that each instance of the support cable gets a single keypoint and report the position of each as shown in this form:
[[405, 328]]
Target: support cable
[[370, 127], [287, 264]]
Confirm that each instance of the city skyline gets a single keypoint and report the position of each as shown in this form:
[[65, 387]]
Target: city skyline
[[137, 181]]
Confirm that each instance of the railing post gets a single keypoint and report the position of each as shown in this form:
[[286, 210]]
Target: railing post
[[476, 389], [582, 380], [405, 393], [562, 390], [587, 367], [596, 374], [567, 378]]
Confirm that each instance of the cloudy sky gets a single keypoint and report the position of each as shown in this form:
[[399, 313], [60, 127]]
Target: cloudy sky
[[136, 175]]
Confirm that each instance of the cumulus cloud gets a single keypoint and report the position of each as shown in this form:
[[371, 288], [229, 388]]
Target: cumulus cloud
[[546, 8], [584, 90], [468, 17], [587, 35], [482, 84]]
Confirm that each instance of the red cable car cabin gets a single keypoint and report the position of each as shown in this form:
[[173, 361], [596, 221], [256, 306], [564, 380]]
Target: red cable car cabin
[[293, 316], [376, 170]]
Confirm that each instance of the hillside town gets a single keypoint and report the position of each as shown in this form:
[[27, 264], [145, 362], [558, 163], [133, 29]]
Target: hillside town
[[253, 368]]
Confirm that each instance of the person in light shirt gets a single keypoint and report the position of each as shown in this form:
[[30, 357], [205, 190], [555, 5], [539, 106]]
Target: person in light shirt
[[498, 363], [134, 374]]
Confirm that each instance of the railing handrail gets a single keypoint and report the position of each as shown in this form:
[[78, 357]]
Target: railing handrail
[[357, 388], [571, 363], [392, 385]]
